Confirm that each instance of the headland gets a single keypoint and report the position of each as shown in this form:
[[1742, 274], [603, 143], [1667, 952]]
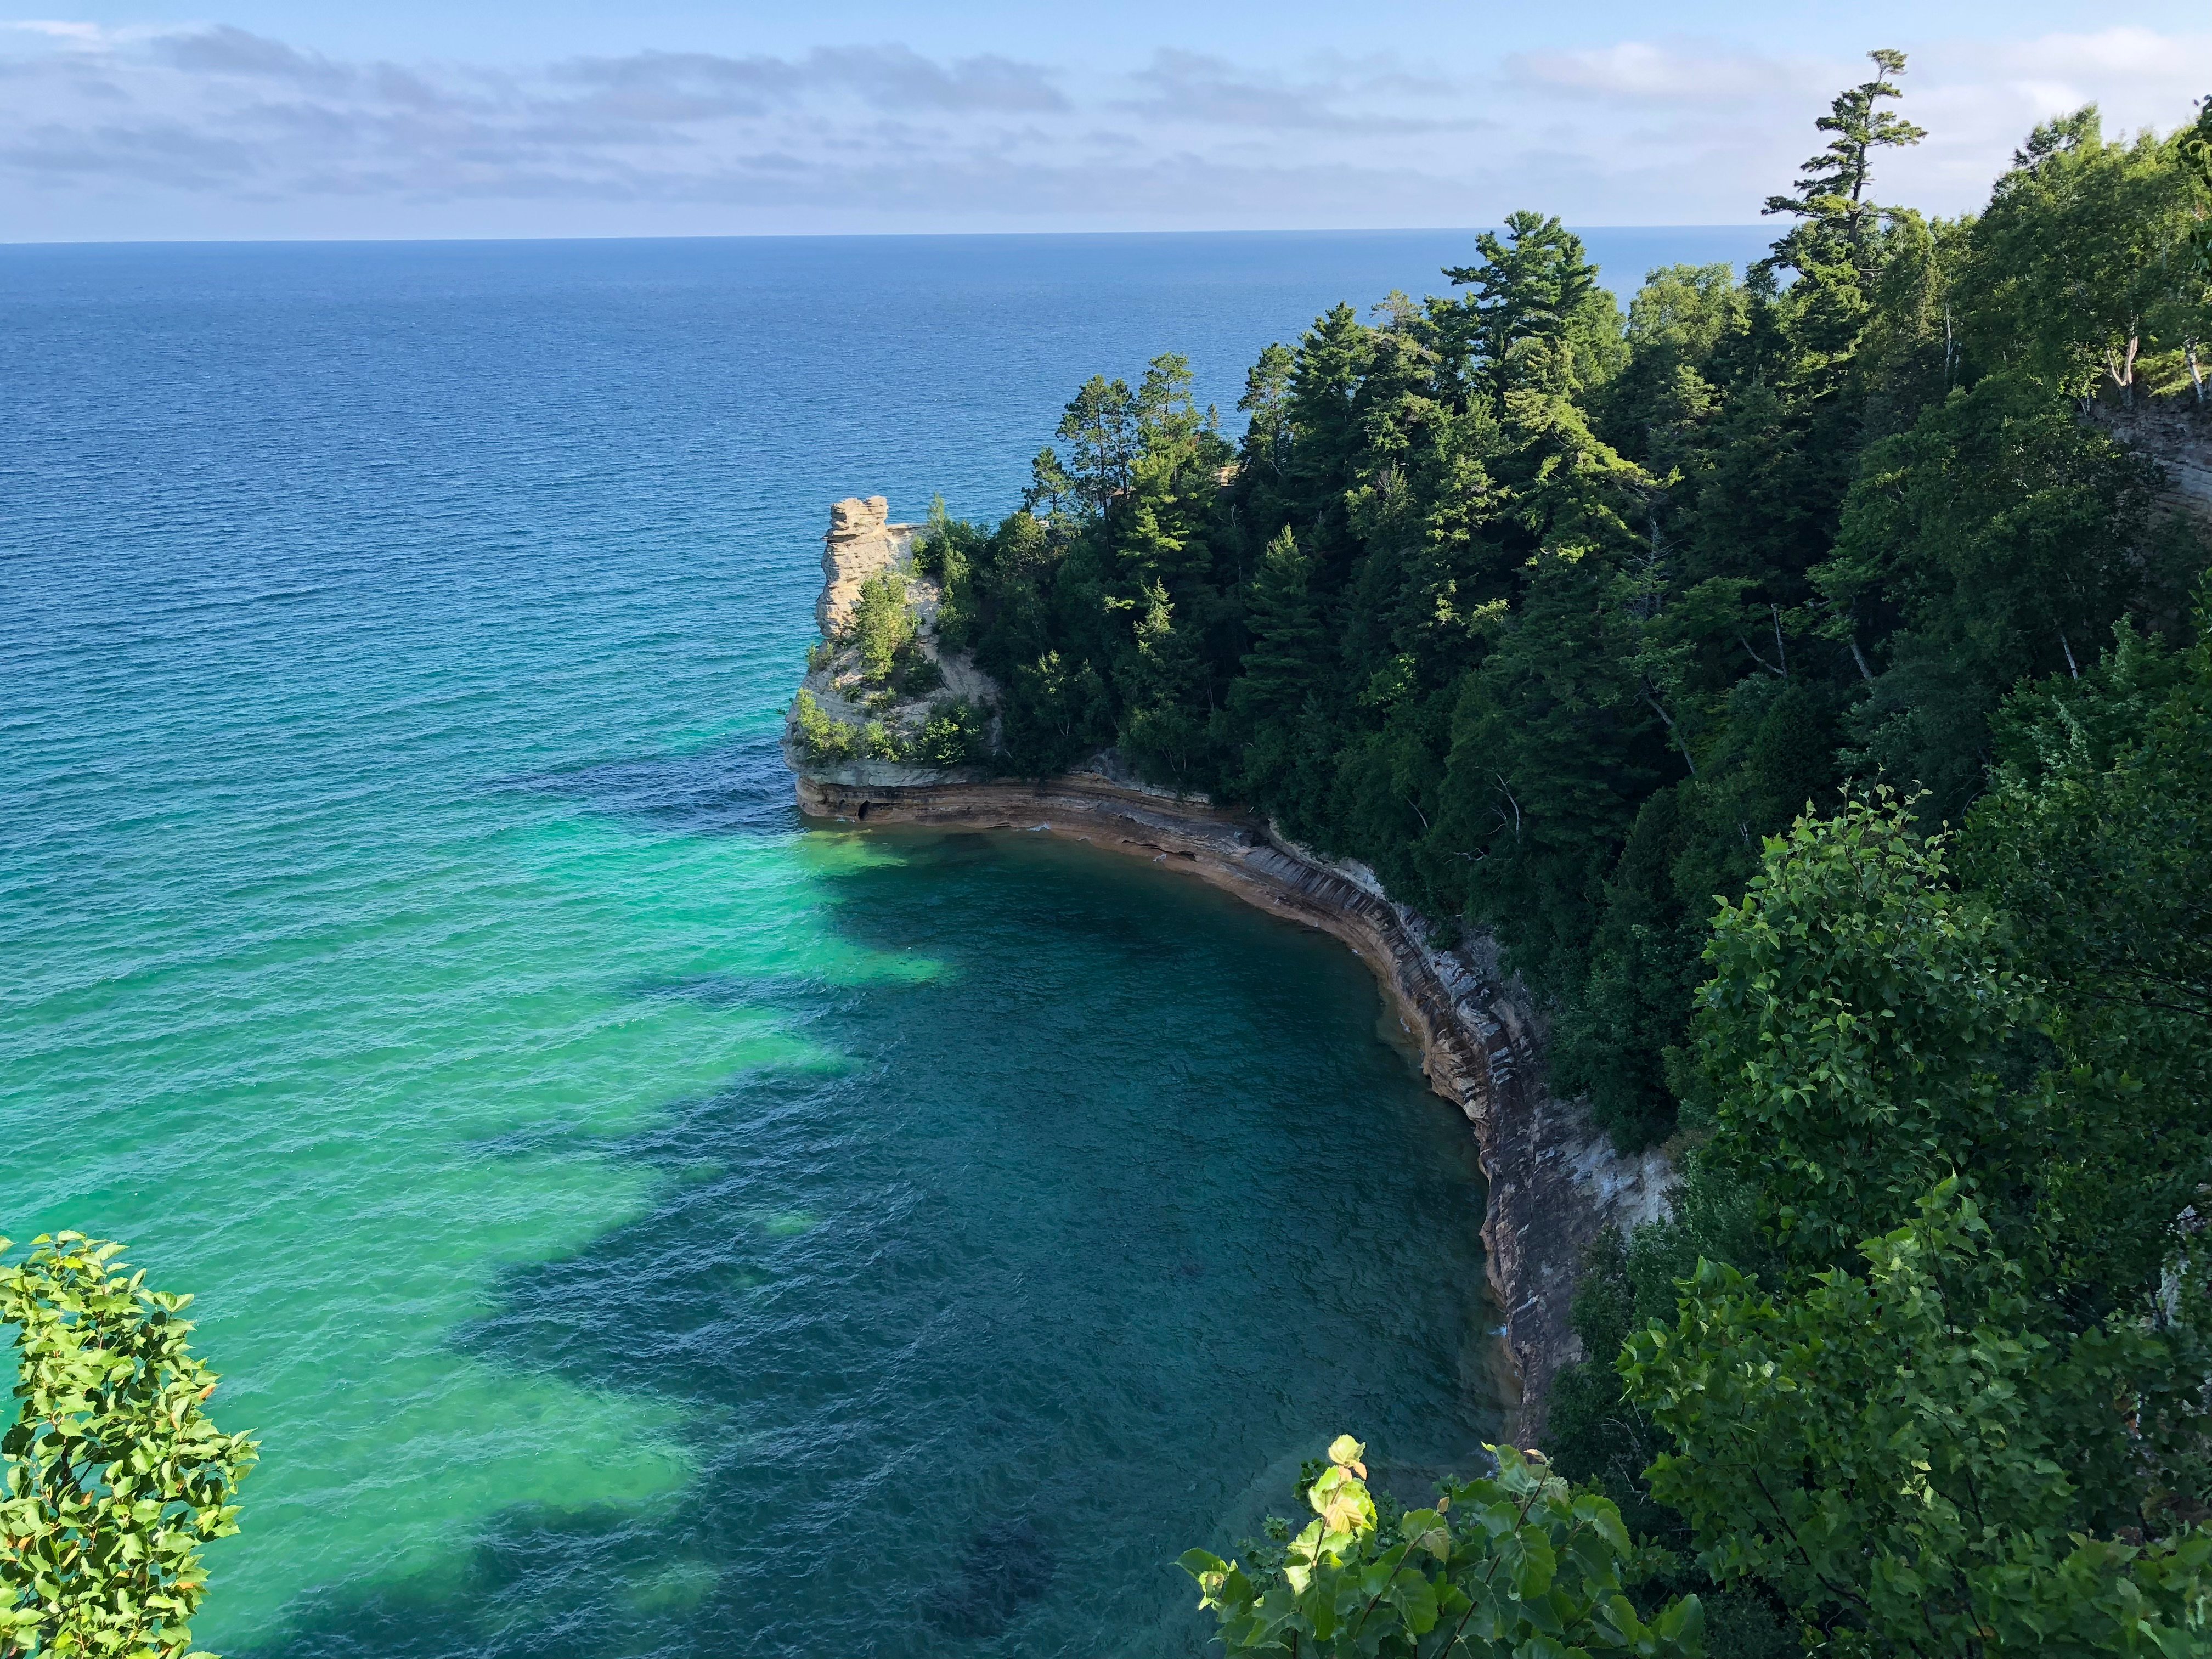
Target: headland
[[1554, 1181]]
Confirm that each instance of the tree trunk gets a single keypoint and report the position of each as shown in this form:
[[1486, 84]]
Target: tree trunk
[[2121, 370]]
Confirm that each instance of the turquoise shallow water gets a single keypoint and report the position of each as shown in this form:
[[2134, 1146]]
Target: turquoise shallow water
[[636, 1223]]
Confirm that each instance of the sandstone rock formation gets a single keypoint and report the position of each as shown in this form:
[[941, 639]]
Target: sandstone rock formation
[[882, 718], [861, 542]]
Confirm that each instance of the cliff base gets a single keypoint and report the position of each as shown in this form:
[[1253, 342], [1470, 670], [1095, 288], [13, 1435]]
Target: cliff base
[[1554, 1179]]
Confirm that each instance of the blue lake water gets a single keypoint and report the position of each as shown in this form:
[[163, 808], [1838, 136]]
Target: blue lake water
[[635, 1222]]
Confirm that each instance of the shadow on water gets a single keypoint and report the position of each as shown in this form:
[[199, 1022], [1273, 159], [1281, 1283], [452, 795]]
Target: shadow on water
[[538, 1584], [531, 1585], [805, 1529], [786, 991], [1003, 1568], [740, 789], [970, 1338]]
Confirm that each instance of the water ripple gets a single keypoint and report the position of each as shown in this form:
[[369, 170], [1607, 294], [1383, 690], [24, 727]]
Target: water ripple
[[633, 1223]]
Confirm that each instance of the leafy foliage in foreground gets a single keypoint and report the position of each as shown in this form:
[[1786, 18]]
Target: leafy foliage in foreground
[[116, 1477], [1521, 1564], [1911, 1464], [1982, 1427]]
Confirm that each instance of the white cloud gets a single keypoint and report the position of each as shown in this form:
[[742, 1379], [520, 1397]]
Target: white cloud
[[78, 37], [1687, 72], [80, 34], [1980, 98], [123, 132], [1372, 95], [2111, 51], [223, 50]]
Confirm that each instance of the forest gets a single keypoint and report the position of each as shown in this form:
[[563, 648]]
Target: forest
[[1805, 678]]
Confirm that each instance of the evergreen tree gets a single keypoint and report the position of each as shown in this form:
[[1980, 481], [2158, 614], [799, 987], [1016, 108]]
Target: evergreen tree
[[1534, 283], [1100, 428], [1267, 401], [1997, 539], [1280, 672], [1839, 221]]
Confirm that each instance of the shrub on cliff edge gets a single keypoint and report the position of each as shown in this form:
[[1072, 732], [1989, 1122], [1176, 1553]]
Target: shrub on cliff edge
[[958, 734], [823, 738], [883, 626]]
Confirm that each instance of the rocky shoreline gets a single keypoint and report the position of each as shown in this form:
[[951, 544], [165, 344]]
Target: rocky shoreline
[[1554, 1180]]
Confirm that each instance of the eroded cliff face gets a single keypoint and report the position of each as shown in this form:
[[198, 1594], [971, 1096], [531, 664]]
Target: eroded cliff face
[[2177, 436], [862, 543], [1555, 1181], [879, 720]]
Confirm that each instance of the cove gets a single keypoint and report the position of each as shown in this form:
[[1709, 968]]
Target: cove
[[1118, 1190], [636, 1222], [996, 1219]]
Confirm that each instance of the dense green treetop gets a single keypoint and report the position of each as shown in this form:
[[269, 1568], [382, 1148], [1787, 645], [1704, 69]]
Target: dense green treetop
[[1552, 613]]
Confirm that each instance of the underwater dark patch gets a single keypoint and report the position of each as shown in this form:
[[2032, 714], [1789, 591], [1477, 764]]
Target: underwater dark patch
[[742, 789], [1003, 1568]]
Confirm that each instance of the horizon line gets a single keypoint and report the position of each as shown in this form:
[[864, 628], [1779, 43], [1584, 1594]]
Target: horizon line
[[810, 236]]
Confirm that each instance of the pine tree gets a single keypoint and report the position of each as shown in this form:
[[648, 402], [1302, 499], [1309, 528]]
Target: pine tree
[[1530, 285], [1840, 221]]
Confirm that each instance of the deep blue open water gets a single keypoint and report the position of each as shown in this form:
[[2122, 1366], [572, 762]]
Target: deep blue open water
[[636, 1223]]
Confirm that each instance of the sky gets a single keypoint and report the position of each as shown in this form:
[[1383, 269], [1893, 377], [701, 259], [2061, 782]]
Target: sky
[[159, 120]]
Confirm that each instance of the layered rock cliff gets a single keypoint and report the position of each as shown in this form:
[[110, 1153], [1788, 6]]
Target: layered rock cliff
[[1555, 1181], [2177, 436], [862, 543]]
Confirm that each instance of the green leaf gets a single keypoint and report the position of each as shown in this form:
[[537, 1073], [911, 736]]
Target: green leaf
[[1198, 1563], [1341, 1499], [1531, 1564], [1425, 1530], [114, 1473]]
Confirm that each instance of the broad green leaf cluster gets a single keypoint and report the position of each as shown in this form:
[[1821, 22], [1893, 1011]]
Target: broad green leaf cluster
[[1921, 1364], [1900, 1455], [116, 1477], [1520, 1565]]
